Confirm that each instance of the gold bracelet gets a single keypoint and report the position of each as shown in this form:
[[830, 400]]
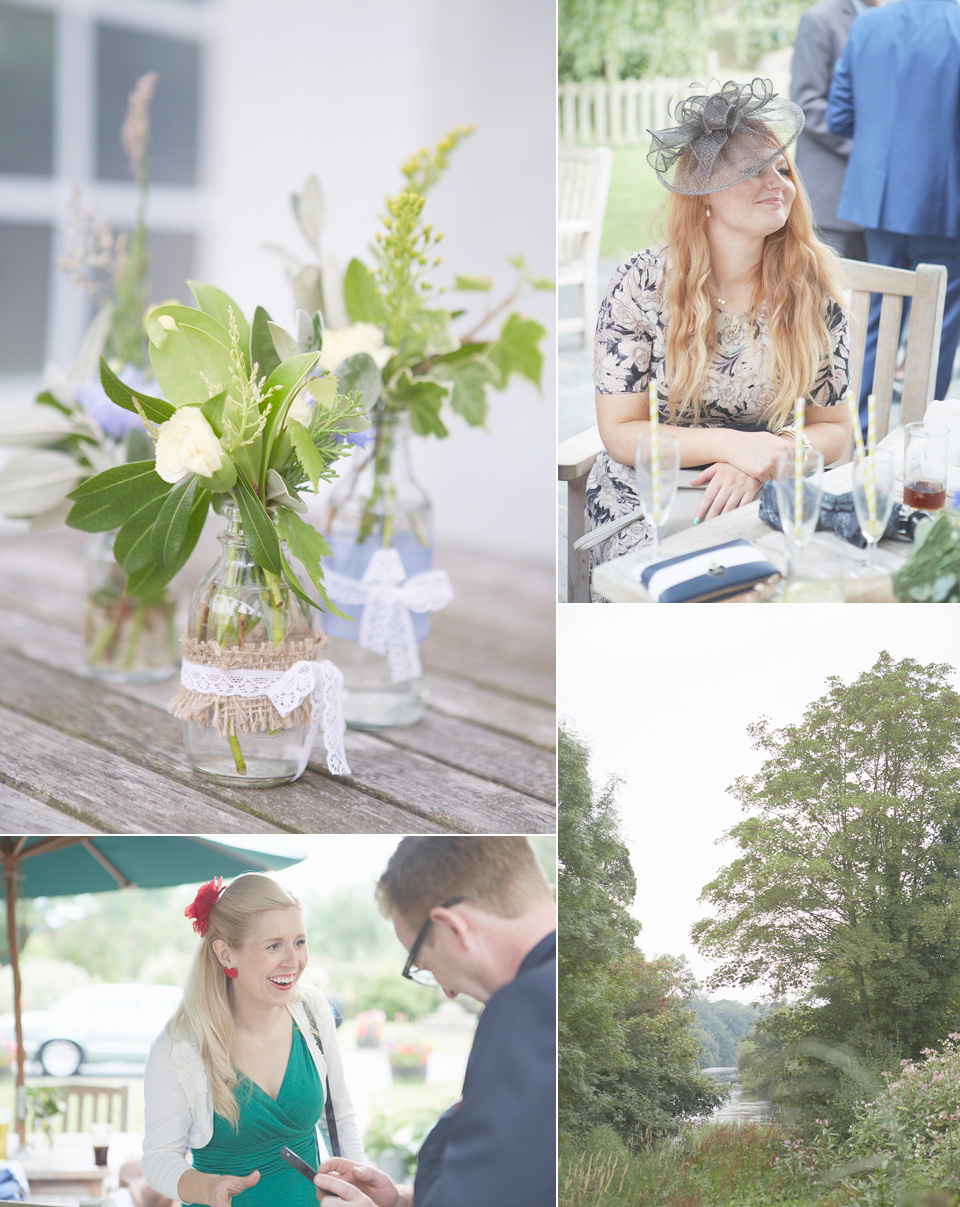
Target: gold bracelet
[[799, 437]]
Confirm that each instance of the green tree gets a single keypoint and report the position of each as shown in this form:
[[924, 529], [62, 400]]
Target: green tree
[[846, 885], [719, 1027], [659, 1084], [595, 887]]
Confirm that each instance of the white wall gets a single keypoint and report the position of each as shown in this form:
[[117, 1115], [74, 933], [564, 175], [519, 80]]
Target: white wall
[[347, 91]]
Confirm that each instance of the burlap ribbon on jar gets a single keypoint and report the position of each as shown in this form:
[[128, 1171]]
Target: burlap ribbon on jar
[[243, 713]]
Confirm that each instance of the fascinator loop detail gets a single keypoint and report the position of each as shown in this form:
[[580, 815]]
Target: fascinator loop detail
[[723, 137], [203, 903]]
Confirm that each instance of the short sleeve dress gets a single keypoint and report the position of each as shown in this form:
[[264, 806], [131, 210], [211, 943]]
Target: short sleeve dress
[[629, 352]]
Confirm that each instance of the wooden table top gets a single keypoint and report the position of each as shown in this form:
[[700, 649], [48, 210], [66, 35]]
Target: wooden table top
[[618, 580], [80, 756]]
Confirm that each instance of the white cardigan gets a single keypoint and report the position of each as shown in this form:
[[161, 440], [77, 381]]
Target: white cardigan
[[179, 1105]]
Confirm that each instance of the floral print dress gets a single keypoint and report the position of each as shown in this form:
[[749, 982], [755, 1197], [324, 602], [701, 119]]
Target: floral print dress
[[629, 354]]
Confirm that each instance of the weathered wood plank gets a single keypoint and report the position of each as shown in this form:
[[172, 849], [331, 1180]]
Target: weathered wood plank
[[108, 720], [494, 756], [104, 790], [452, 798], [535, 723], [21, 814]]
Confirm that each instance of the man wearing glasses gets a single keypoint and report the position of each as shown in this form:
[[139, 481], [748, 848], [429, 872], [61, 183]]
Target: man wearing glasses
[[476, 916]]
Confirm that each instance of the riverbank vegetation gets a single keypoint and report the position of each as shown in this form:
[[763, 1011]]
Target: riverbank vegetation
[[843, 901]]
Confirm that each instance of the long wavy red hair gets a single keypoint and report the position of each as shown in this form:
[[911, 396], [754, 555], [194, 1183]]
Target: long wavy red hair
[[798, 275]]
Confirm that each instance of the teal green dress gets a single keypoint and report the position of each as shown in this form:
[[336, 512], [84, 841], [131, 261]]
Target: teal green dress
[[264, 1127]]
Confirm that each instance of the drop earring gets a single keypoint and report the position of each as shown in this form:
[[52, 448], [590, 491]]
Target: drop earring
[[708, 211]]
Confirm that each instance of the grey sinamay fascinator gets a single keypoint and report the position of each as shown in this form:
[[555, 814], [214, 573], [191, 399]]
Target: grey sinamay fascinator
[[723, 137]]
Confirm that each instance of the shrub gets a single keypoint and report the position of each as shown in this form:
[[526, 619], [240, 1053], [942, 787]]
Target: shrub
[[913, 1126]]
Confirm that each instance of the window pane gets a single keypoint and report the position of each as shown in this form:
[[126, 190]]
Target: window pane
[[26, 90], [123, 55], [24, 269], [171, 264]]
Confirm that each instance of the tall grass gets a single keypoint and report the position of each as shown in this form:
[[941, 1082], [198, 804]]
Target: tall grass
[[707, 1165]]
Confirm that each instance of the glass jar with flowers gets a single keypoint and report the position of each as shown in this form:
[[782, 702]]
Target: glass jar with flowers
[[74, 430], [403, 350], [234, 430]]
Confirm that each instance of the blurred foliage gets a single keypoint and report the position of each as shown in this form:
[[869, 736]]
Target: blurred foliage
[[45, 981], [630, 39], [401, 1132], [345, 924], [388, 991]]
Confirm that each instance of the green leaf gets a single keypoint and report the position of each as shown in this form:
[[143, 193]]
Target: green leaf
[[470, 380], [190, 363], [157, 410], [259, 531], [361, 296], [309, 331], [279, 390], [283, 342], [471, 282], [262, 352], [218, 305], [516, 350], [308, 547], [132, 546], [423, 399], [171, 523], [109, 499], [280, 495], [151, 579], [358, 374], [307, 452]]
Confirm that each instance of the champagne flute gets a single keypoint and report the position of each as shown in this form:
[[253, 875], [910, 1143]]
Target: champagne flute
[[799, 485], [799, 495], [658, 473], [874, 480]]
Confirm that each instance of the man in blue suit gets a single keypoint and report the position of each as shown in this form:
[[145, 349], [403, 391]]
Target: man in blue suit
[[476, 916], [896, 93]]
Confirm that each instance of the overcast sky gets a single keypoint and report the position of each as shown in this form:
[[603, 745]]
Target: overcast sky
[[663, 696]]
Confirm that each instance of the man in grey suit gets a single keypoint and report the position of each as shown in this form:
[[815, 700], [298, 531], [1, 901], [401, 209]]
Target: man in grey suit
[[822, 156]]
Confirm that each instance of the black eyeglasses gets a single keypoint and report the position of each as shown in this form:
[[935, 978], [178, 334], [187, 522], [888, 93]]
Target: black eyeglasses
[[421, 975]]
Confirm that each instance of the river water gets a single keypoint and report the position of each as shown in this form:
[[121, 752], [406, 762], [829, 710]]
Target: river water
[[737, 1108]]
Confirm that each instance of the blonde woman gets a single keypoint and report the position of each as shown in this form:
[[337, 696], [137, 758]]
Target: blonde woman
[[248, 1064], [732, 319]]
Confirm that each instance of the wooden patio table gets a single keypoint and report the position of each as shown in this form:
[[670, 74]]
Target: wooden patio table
[[618, 580], [81, 756]]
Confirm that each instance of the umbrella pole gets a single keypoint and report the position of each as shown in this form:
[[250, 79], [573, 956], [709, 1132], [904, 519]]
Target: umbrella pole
[[10, 886]]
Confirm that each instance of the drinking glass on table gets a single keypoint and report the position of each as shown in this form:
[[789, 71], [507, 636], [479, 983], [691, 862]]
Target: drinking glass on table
[[799, 504], [874, 482], [925, 466], [658, 472]]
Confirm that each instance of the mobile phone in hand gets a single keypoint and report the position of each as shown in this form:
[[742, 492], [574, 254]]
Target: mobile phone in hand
[[302, 1167]]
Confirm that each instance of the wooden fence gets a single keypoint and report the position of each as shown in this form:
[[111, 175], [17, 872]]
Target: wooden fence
[[595, 112]]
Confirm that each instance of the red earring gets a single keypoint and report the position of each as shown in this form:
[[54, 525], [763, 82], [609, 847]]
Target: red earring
[[231, 973]]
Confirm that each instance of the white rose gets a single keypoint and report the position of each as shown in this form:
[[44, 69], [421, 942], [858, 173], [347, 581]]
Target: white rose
[[187, 444], [341, 342]]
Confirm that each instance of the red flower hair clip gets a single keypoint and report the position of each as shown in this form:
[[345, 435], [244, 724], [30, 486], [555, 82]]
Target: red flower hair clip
[[203, 903]]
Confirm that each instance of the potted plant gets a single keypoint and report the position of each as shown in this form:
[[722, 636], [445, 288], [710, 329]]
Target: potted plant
[[420, 362], [408, 1061], [235, 430], [74, 430]]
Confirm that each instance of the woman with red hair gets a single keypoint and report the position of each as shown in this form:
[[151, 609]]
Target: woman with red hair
[[732, 319]]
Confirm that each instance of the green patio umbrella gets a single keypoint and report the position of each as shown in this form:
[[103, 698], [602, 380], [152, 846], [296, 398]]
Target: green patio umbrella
[[62, 865]]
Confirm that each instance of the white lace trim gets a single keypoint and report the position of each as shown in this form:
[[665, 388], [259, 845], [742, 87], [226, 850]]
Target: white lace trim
[[388, 597], [321, 681]]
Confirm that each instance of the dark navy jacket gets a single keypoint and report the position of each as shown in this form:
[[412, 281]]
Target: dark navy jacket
[[497, 1146], [896, 93]]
